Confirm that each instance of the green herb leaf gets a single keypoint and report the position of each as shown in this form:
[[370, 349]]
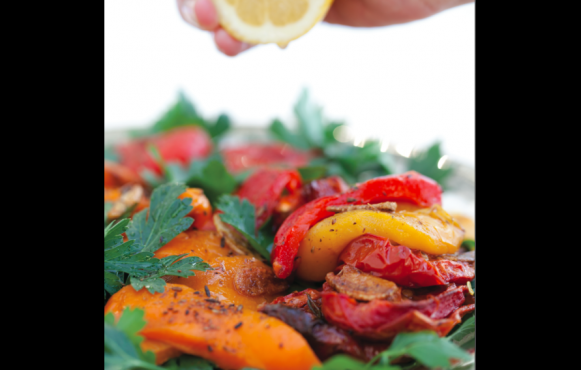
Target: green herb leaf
[[465, 336], [112, 283], [187, 362], [469, 244], [221, 125], [310, 119], [122, 343], [280, 132], [311, 173], [166, 218], [211, 176], [426, 163], [426, 347], [108, 206], [241, 215], [171, 265], [182, 113], [344, 362], [146, 235]]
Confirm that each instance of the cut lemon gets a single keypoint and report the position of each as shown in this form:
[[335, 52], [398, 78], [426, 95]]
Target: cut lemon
[[270, 21]]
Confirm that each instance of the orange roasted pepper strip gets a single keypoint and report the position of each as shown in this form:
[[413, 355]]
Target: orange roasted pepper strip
[[162, 351], [229, 336], [234, 279], [202, 212]]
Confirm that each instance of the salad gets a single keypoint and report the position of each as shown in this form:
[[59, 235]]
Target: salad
[[298, 253]]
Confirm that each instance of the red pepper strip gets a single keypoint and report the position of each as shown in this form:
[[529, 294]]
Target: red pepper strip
[[381, 319], [376, 256], [325, 339], [264, 188], [409, 187], [178, 145], [238, 159], [332, 185]]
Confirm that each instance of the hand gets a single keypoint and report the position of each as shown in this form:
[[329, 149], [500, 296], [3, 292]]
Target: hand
[[203, 15], [354, 13]]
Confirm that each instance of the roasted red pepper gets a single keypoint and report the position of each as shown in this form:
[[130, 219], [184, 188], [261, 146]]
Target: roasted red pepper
[[408, 187], [178, 145], [381, 319], [331, 185], [325, 339], [376, 256], [242, 158], [264, 189]]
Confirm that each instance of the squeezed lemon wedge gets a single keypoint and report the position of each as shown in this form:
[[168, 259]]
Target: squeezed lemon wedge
[[270, 21]]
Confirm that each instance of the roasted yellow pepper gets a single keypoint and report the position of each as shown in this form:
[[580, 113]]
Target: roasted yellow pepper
[[430, 230]]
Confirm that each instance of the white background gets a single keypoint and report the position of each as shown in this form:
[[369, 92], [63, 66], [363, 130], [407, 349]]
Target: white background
[[408, 84]]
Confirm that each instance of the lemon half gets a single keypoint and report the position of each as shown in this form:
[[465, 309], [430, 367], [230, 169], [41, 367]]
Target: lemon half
[[270, 21]]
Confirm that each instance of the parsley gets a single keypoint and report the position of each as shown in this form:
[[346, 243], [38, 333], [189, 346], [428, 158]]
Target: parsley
[[311, 173], [469, 244], [280, 132], [123, 346], [352, 163], [108, 206], [426, 347], [133, 260], [208, 174], [310, 118], [171, 265], [465, 336], [241, 215], [426, 163], [344, 362], [166, 218], [212, 176], [183, 113], [188, 362]]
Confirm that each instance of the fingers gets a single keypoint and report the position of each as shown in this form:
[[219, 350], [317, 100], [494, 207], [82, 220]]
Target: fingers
[[228, 44], [202, 14], [199, 13], [207, 15]]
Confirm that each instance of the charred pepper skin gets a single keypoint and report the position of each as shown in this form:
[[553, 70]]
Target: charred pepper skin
[[409, 187]]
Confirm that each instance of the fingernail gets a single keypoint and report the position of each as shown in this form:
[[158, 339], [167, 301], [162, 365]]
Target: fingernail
[[188, 13]]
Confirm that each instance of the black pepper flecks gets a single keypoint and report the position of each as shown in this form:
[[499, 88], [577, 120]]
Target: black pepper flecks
[[207, 290], [238, 325]]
